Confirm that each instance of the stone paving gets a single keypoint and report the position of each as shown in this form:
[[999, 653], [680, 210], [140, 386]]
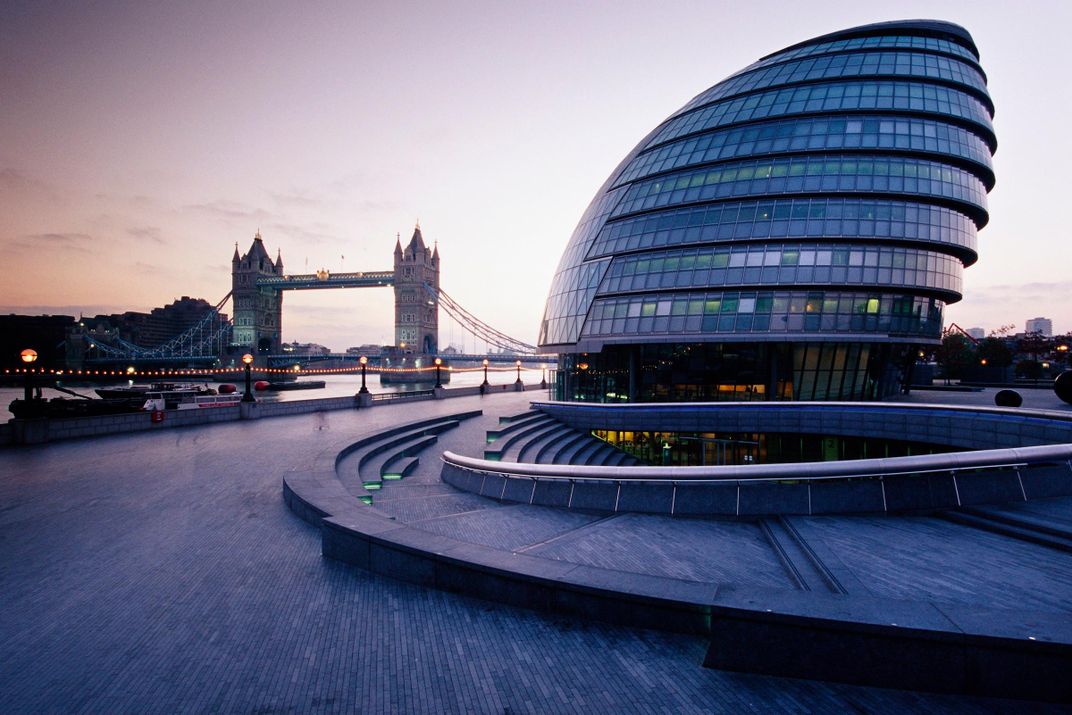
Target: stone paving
[[162, 573]]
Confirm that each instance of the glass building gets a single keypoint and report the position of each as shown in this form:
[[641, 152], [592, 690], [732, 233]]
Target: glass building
[[793, 232]]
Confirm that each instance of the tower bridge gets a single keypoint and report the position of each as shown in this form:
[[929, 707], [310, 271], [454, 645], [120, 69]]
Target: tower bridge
[[257, 285]]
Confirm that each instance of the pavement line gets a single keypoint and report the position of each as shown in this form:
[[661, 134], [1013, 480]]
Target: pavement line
[[564, 534]]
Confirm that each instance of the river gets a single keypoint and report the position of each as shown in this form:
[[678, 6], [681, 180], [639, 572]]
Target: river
[[335, 386]]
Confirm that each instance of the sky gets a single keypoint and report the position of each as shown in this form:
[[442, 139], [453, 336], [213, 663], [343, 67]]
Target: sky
[[140, 141]]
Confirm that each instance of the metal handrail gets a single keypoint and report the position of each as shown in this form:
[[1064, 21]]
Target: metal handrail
[[776, 405], [1008, 458], [409, 394]]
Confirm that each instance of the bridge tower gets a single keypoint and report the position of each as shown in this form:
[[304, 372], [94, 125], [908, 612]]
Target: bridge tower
[[258, 312], [416, 309]]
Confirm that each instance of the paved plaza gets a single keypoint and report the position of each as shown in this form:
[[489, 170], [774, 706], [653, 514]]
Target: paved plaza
[[162, 572]]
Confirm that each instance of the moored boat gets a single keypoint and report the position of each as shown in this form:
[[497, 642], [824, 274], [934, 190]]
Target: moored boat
[[142, 390], [59, 407], [189, 399]]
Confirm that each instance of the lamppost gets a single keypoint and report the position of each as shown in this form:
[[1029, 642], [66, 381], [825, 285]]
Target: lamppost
[[29, 355], [484, 385], [248, 397], [364, 362], [518, 381], [543, 376], [438, 383]]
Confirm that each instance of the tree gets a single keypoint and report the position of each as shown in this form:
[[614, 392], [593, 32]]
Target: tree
[[954, 355], [995, 352]]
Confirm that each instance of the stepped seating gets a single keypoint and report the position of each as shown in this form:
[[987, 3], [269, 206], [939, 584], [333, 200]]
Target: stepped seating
[[515, 433], [516, 447], [370, 465], [538, 438], [549, 454], [585, 451], [529, 452], [398, 468], [520, 416], [515, 423], [392, 455]]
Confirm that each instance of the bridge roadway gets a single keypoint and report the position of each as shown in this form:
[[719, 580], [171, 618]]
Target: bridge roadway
[[161, 572], [318, 281], [493, 358]]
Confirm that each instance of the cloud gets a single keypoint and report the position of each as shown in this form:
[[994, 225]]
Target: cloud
[[52, 241], [300, 199], [15, 182], [1039, 292], [231, 211], [147, 233], [315, 234], [150, 269], [384, 205]]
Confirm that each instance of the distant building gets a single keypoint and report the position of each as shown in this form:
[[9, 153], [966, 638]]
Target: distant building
[[368, 350], [977, 333], [297, 348], [155, 327], [1039, 325]]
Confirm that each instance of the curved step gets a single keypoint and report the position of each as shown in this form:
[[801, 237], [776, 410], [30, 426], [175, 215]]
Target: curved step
[[527, 414], [316, 491], [586, 449], [571, 454], [535, 446], [601, 455], [519, 446], [551, 453], [514, 436], [398, 467], [371, 472], [537, 417]]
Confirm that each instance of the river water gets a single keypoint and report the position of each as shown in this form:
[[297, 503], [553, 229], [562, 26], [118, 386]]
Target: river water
[[335, 386]]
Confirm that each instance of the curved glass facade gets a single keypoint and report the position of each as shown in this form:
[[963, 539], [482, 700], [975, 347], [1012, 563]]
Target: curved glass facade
[[827, 195]]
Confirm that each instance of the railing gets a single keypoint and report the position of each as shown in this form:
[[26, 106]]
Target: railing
[[403, 396], [797, 471], [922, 482]]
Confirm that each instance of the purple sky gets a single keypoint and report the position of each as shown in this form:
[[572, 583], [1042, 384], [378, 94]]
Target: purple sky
[[140, 141]]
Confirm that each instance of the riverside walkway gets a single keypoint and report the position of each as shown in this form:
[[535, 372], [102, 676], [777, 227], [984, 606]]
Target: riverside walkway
[[162, 572]]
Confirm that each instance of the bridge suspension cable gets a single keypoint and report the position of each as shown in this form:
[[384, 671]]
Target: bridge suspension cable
[[478, 327], [205, 338]]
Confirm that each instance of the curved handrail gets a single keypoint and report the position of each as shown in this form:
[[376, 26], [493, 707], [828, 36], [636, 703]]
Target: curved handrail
[[1021, 412], [801, 471]]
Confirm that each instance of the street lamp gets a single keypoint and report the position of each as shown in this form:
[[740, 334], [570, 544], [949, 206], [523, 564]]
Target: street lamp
[[364, 362], [438, 362], [518, 363], [543, 376], [29, 355], [484, 385], [248, 397]]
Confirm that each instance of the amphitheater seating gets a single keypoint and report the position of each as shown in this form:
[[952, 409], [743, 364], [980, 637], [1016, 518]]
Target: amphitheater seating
[[392, 455], [538, 438]]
